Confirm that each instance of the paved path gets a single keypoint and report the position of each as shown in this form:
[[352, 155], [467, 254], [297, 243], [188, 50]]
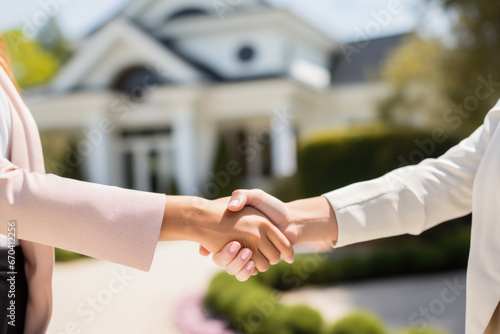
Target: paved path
[[101, 297], [434, 300]]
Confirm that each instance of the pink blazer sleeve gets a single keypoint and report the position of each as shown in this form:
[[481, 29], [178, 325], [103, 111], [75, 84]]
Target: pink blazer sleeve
[[105, 222]]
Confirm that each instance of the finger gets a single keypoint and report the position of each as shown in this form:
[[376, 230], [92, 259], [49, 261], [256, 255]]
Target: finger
[[260, 200], [261, 262], [255, 272], [239, 262], [280, 242], [204, 251], [246, 272], [226, 254], [238, 200], [271, 253]]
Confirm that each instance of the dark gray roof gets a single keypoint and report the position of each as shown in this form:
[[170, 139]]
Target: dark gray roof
[[359, 61]]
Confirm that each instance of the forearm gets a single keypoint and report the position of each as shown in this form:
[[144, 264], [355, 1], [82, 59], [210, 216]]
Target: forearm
[[314, 219], [189, 218]]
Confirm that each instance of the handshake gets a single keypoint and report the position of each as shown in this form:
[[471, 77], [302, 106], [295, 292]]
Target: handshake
[[249, 231]]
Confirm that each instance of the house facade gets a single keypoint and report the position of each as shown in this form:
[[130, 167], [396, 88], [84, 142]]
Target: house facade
[[154, 92]]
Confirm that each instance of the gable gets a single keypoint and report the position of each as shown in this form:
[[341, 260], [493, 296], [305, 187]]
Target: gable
[[114, 48]]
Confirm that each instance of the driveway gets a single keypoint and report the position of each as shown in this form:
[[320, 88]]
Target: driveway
[[93, 296]]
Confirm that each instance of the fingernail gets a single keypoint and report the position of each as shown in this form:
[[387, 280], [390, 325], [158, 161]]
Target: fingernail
[[234, 202], [290, 260], [245, 255], [233, 248], [250, 266]]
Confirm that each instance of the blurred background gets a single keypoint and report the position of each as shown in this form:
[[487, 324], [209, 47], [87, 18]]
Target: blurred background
[[201, 97]]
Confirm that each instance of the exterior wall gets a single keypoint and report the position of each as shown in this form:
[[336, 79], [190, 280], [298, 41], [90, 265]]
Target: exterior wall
[[220, 52]]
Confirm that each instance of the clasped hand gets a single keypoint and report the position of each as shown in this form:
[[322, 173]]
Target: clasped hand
[[308, 220]]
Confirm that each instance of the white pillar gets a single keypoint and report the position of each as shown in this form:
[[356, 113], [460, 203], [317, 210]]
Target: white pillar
[[184, 153], [140, 158], [95, 146], [283, 149]]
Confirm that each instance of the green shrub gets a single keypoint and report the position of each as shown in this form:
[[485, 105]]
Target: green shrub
[[420, 331], [64, 255], [302, 319], [358, 323], [334, 160]]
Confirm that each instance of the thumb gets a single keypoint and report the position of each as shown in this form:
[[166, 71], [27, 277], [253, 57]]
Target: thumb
[[238, 201], [265, 203]]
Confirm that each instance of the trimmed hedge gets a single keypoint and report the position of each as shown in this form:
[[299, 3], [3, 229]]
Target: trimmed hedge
[[333, 160], [409, 255], [358, 323], [254, 307]]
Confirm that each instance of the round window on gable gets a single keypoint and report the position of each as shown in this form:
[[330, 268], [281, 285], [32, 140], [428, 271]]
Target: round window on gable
[[246, 54]]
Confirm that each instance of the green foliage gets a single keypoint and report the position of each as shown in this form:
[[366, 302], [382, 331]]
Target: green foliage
[[404, 255], [477, 33], [358, 323], [32, 64], [222, 179], [59, 147], [431, 78], [414, 71], [255, 307], [64, 255], [330, 161], [420, 331]]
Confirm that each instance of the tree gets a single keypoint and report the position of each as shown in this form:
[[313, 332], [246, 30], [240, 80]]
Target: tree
[[32, 64], [455, 84], [413, 70], [474, 59]]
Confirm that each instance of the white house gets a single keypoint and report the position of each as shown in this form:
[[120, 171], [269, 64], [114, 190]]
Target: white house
[[152, 91]]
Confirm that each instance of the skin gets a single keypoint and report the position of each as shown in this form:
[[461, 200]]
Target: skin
[[305, 220], [210, 224]]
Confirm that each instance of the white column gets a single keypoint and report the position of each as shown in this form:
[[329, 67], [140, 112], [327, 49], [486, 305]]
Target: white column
[[140, 158], [95, 147], [283, 148], [185, 153]]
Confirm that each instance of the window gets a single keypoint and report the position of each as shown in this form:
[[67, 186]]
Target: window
[[135, 81], [246, 54], [188, 12]]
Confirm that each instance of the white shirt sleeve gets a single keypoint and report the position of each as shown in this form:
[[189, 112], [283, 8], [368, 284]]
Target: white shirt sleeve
[[5, 126]]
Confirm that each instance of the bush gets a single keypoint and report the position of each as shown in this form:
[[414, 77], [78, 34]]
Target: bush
[[254, 307], [420, 331], [304, 320], [331, 161], [64, 255], [358, 323]]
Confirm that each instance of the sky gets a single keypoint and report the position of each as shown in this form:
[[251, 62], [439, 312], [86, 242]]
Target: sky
[[344, 20]]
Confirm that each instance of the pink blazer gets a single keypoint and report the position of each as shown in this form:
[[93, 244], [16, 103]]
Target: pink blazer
[[105, 222]]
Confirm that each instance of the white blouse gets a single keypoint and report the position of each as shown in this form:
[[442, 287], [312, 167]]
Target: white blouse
[[5, 132], [5, 126]]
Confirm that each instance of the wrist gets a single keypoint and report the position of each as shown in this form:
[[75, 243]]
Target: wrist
[[314, 220], [189, 218]]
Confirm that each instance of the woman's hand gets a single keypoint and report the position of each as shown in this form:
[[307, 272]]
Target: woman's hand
[[307, 220], [210, 224]]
